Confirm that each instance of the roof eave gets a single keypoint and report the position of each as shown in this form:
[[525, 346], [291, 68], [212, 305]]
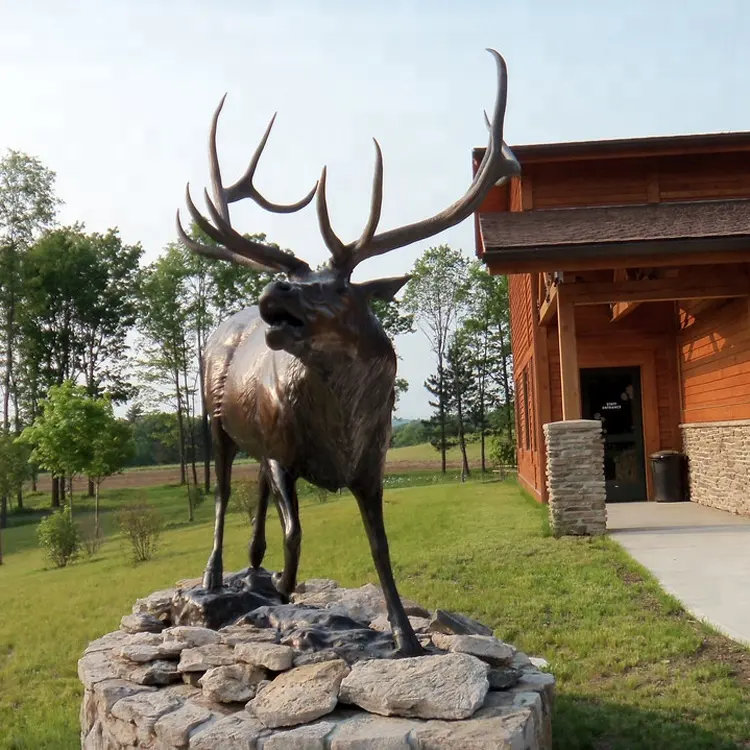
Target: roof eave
[[593, 256], [627, 147]]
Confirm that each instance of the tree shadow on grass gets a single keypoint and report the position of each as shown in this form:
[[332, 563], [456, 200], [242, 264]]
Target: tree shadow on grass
[[582, 723]]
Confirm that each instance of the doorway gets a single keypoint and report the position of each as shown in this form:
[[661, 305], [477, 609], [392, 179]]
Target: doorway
[[612, 395]]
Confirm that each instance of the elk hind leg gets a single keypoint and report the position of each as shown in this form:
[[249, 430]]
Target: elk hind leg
[[224, 453], [257, 548]]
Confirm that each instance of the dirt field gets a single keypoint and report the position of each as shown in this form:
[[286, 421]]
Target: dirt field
[[171, 475]]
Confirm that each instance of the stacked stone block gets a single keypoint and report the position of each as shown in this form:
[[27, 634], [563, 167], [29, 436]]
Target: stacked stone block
[[575, 477], [719, 463]]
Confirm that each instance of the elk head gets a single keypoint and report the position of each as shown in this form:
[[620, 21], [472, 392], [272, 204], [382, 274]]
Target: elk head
[[324, 311]]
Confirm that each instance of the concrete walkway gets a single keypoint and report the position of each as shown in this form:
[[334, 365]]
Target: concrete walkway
[[700, 555]]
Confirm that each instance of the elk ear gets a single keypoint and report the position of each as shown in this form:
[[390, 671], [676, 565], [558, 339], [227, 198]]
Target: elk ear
[[385, 289]]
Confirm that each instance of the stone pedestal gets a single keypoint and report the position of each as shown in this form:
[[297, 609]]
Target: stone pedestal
[[575, 477], [269, 682]]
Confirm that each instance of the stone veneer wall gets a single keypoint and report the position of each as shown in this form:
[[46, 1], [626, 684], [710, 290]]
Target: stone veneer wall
[[575, 477], [719, 463]]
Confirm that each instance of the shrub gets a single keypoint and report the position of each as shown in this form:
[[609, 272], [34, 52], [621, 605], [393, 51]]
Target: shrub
[[195, 496], [141, 524], [58, 535], [321, 495], [502, 452], [244, 498], [91, 536]]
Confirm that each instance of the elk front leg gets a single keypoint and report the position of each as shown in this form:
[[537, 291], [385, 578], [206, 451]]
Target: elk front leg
[[257, 548], [225, 451], [286, 503], [370, 501]]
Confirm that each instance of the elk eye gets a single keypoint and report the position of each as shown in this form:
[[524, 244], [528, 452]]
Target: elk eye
[[341, 290]]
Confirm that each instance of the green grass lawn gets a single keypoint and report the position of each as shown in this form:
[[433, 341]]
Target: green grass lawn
[[633, 670], [426, 452], [422, 453]]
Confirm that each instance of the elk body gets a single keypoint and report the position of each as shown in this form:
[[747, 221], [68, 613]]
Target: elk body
[[304, 382]]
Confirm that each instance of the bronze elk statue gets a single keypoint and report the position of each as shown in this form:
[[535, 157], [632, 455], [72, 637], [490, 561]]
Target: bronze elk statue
[[304, 382]]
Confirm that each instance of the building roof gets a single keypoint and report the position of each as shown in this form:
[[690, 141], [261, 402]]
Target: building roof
[[578, 233], [630, 223], [624, 147]]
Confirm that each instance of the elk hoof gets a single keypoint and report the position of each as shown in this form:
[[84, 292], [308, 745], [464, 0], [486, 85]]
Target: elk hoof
[[281, 586], [257, 552], [213, 579], [407, 645]]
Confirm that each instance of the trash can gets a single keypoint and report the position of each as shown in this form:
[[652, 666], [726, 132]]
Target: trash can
[[669, 470]]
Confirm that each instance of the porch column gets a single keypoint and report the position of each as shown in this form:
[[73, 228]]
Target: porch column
[[575, 477], [569, 375]]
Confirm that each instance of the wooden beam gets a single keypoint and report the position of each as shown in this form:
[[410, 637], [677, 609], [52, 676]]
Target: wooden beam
[[548, 310], [531, 261], [621, 309], [527, 193], [716, 286], [569, 374]]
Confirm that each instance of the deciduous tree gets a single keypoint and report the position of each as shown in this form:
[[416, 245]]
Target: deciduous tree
[[27, 205], [165, 323], [435, 296], [63, 436], [14, 470]]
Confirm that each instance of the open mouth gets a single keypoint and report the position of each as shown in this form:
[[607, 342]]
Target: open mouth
[[277, 318]]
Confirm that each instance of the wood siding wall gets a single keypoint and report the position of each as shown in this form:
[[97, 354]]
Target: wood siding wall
[[620, 181], [526, 407], [714, 351]]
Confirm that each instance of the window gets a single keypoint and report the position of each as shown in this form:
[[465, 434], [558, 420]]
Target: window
[[526, 420]]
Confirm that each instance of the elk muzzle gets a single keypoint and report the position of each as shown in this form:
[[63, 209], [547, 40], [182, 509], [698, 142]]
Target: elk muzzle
[[282, 310]]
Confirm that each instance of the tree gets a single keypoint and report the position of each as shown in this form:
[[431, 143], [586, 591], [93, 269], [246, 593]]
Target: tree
[[459, 376], [64, 435], [14, 470], [78, 305], [103, 325], [487, 335], [439, 428], [112, 448], [164, 320], [394, 323], [27, 205], [411, 433], [59, 277], [435, 296], [156, 436]]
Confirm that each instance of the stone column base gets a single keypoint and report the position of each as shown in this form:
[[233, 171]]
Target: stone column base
[[575, 477]]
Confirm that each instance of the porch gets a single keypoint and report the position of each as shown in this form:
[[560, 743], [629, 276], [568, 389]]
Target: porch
[[631, 348], [649, 336]]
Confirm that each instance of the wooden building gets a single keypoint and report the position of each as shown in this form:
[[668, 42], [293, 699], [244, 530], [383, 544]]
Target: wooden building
[[629, 265]]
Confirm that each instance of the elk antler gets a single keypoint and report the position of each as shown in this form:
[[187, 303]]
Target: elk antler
[[497, 165], [233, 246]]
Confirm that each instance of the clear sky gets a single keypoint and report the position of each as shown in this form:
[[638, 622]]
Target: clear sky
[[116, 97]]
